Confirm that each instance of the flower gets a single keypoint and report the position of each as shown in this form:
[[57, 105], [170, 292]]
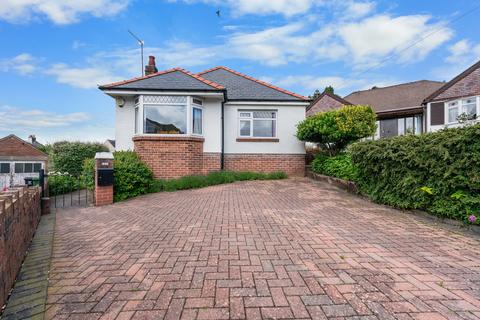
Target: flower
[[472, 218]]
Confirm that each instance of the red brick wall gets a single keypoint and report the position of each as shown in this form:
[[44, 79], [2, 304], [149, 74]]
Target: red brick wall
[[324, 104], [468, 86], [19, 217], [103, 194], [211, 162], [171, 157], [291, 164]]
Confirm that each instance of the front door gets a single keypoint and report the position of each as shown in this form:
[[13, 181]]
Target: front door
[[388, 128]]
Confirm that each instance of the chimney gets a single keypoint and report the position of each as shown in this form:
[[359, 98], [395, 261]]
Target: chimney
[[32, 139], [151, 68]]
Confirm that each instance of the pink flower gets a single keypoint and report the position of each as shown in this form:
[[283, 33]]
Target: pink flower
[[472, 218]]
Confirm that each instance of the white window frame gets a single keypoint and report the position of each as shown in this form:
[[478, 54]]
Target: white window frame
[[199, 107], [461, 107], [250, 119]]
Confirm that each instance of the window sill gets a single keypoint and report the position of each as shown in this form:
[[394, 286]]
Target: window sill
[[258, 140]]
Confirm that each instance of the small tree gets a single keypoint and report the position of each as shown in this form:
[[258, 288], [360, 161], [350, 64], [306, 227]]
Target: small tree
[[315, 94], [334, 130], [329, 89]]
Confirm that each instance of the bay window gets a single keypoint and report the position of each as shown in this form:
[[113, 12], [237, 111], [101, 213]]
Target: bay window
[[258, 124], [179, 115]]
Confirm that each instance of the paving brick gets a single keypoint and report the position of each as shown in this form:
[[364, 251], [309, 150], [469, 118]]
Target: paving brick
[[258, 250]]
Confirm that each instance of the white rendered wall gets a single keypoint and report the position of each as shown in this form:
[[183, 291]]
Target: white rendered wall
[[125, 125], [288, 116], [212, 125]]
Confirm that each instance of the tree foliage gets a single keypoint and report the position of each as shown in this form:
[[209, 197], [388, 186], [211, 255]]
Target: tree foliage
[[335, 129], [329, 89]]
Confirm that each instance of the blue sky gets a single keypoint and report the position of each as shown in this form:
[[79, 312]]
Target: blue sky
[[54, 53]]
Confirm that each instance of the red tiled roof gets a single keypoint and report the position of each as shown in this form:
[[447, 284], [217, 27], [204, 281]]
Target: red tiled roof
[[196, 76], [255, 80], [13, 146]]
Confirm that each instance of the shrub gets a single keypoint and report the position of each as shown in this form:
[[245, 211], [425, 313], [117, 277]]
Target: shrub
[[437, 172], [62, 184], [213, 178], [131, 176], [340, 166], [334, 130], [68, 157]]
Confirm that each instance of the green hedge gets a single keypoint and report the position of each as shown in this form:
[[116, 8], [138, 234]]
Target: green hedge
[[68, 157], [213, 178], [437, 172], [340, 166]]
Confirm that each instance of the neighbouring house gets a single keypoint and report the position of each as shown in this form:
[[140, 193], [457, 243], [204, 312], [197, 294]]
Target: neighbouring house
[[325, 102], [19, 159], [181, 123], [399, 108], [455, 103], [110, 145]]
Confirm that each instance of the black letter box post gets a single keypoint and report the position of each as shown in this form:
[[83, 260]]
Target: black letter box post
[[105, 177]]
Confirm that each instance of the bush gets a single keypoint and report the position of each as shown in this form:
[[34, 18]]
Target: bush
[[340, 166], [68, 157], [213, 178], [334, 130], [437, 172], [62, 184], [131, 176]]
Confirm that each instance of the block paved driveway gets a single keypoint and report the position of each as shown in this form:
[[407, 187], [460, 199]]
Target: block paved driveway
[[261, 249]]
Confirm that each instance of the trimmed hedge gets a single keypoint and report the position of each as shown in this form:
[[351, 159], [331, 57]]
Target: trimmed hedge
[[67, 156], [213, 178], [340, 166], [437, 172]]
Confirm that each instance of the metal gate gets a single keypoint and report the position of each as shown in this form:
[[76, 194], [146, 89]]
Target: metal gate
[[66, 190]]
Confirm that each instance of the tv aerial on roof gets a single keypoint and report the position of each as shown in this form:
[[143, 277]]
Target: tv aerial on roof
[[141, 43]]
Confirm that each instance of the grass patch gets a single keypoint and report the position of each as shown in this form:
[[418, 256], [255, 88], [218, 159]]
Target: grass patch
[[213, 178]]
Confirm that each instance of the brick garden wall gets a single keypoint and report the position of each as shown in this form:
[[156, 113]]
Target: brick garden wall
[[171, 157], [291, 164], [19, 216]]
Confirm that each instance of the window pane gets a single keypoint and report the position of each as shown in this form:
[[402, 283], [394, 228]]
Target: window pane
[[401, 126], [264, 114], [197, 121], [264, 128], [409, 125], [4, 167], [165, 119], [136, 120], [18, 167], [470, 107], [452, 114], [37, 167], [245, 128], [418, 124], [28, 167]]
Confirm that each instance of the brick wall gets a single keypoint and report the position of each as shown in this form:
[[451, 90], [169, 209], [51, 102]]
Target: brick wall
[[19, 217], [211, 162], [171, 157], [468, 86], [291, 164]]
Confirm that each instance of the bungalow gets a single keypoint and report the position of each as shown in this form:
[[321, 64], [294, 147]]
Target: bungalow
[[19, 159], [181, 123], [399, 108], [456, 102]]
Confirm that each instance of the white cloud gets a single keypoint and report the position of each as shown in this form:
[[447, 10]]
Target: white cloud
[[262, 7], [13, 117], [85, 78], [358, 9], [23, 64], [462, 54], [58, 11], [377, 37]]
